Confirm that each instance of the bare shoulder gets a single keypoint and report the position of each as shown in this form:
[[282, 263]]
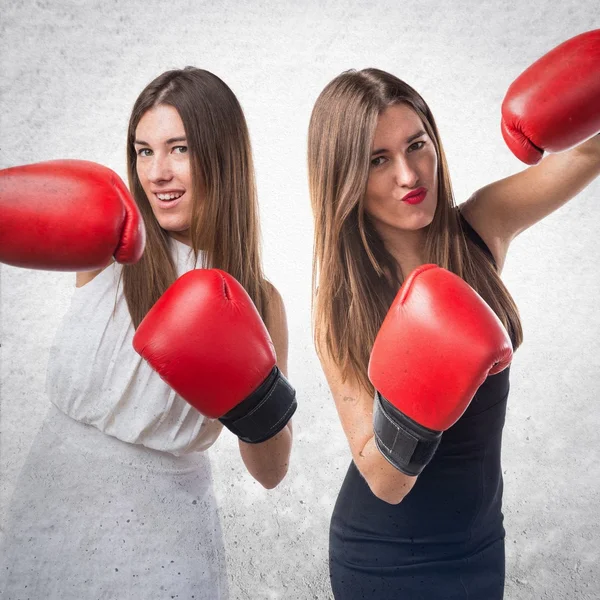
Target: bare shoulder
[[502, 210], [83, 277], [276, 322], [275, 309], [275, 306]]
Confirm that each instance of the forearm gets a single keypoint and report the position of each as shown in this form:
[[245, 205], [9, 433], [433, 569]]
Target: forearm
[[268, 461], [504, 209], [590, 149], [83, 277], [566, 174], [384, 480]]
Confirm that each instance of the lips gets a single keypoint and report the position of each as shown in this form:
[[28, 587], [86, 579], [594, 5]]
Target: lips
[[166, 196], [416, 196], [168, 199]]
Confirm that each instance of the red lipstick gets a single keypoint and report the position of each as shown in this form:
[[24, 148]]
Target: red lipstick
[[416, 196]]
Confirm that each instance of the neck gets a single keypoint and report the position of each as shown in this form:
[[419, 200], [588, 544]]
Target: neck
[[407, 248], [181, 236]]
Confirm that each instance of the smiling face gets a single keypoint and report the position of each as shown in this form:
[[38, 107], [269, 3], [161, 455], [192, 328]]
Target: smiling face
[[402, 186], [164, 170]]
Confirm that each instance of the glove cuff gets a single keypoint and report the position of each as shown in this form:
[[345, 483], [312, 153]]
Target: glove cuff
[[265, 412], [404, 443]]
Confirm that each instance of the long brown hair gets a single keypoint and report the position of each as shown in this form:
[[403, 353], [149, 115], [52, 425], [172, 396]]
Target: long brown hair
[[355, 278], [225, 215]]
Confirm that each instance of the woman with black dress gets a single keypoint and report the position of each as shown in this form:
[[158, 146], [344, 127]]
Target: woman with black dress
[[419, 512]]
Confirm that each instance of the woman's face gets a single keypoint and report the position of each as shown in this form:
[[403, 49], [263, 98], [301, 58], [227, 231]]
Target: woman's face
[[402, 186], [163, 167]]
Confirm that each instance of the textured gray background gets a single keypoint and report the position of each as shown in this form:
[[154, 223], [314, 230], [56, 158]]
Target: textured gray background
[[70, 72]]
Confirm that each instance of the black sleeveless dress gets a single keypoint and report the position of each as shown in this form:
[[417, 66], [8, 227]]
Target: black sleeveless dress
[[445, 540]]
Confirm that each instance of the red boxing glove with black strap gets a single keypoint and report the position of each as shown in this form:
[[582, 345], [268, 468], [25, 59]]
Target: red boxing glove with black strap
[[437, 344], [555, 104], [206, 339], [67, 215]]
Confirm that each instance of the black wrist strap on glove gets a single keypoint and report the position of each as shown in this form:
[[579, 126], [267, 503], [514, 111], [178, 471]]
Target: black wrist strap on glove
[[265, 412], [404, 443]]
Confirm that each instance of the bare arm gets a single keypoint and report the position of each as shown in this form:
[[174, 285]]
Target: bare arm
[[502, 210], [83, 277], [268, 461], [355, 409]]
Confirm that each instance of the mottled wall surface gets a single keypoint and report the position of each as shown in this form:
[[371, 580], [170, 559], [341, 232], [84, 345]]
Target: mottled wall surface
[[70, 72]]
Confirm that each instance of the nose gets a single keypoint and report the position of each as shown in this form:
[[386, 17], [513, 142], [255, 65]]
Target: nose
[[160, 169], [405, 173]]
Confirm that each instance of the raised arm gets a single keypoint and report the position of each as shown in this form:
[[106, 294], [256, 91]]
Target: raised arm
[[502, 210], [552, 106]]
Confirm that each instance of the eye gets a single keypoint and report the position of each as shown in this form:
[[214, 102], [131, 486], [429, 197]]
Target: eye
[[378, 161], [415, 146], [144, 152], [180, 149]]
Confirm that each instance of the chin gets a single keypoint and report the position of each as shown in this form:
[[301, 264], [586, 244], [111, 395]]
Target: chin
[[170, 227], [422, 219], [416, 222], [180, 229], [172, 223]]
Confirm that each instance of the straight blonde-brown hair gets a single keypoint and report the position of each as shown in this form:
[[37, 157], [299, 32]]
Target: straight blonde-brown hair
[[355, 278], [225, 224]]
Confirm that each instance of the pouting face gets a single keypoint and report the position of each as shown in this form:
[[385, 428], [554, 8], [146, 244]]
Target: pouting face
[[402, 187], [164, 170]]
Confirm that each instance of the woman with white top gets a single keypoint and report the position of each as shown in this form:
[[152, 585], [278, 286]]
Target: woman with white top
[[115, 499]]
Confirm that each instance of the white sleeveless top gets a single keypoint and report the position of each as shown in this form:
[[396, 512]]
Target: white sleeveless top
[[96, 377]]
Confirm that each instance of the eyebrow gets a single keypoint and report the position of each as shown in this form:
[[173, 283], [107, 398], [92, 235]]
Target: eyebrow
[[169, 141], [407, 141]]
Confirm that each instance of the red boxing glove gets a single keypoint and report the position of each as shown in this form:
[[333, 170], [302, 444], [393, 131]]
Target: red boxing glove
[[438, 343], [555, 104], [205, 338], [67, 215]]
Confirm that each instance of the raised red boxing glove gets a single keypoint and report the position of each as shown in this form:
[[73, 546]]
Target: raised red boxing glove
[[67, 215], [437, 344], [555, 104], [205, 338]]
